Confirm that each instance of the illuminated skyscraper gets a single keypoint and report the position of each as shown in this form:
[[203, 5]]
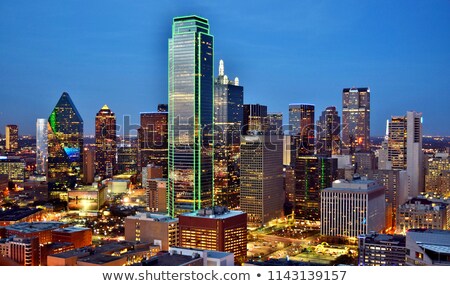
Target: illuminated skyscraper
[[191, 112], [12, 138], [105, 142], [312, 174], [329, 132], [255, 119], [262, 193], [152, 140], [275, 122], [405, 149], [65, 147], [301, 121], [228, 117], [355, 119], [41, 146]]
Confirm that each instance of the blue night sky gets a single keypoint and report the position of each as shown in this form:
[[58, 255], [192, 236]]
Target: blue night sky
[[115, 52]]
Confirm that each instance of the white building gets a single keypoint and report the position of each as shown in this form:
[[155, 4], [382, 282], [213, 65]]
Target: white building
[[350, 208], [428, 247]]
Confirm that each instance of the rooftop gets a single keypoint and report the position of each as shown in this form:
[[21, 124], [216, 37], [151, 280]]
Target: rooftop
[[31, 227], [355, 185], [17, 214], [71, 229], [216, 212], [153, 217], [167, 259]]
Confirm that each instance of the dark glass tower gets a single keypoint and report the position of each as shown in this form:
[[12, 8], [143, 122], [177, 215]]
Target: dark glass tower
[[355, 120], [191, 111], [65, 147], [152, 140], [105, 142], [328, 132], [255, 119], [312, 174], [301, 121], [228, 102]]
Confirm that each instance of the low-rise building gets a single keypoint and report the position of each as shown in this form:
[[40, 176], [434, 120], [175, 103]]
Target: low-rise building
[[376, 249], [429, 247]]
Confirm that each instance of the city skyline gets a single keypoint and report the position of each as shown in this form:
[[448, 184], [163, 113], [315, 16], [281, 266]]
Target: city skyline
[[124, 58]]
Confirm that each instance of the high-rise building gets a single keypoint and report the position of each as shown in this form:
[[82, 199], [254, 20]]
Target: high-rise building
[[423, 213], [152, 140], [88, 164], [154, 228], [363, 161], [262, 193], [14, 167], [437, 178], [312, 174], [156, 193], [191, 112], [355, 119], [41, 146], [328, 132], [301, 121], [215, 229], [428, 247], [65, 147], [376, 249], [127, 157], [405, 149], [228, 117], [12, 138], [351, 208], [275, 122], [105, 142], [255, 119]]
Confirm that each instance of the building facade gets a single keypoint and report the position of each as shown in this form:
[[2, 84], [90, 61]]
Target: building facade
[[423, 213], [12, 138], [191, 112], [328, 132], [255, 119], [105, 143], [41, 146], [376, 249]]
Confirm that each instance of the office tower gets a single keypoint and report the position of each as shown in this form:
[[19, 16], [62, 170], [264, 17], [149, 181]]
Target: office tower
[[423, 213], [355, 119], [351, 208], [24, 251], [405, 149], [14, 167], [41, 146], [262, 194], [255, 119], [65, 147], [105, 142], [275, 123], [328, 131], [427, 247], [158, 229], [289, 187], [127, 155], [437, 178], [191, 112], [228, 117], [156, 193], [88, 164], [151, 171], [383, 152], [287, 152], [152, 140], [163, 107], [396, 185], [312, 174], [12, 138], [215, 229], [301, 121], [363, 161], [376, 249]]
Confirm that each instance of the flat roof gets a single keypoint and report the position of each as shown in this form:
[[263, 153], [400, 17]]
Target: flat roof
[[153, 217], [31, 227], [17, 214], [355, 186], [217, 254], [71, 229], [214, 216], [100, 258], [168, 259]]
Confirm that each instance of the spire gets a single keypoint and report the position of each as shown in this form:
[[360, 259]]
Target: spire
[[105, 107], [236, 81], [221, 68]]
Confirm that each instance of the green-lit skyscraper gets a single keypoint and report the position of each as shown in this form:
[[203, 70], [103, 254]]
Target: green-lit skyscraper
[[191, 103], [65, 147]]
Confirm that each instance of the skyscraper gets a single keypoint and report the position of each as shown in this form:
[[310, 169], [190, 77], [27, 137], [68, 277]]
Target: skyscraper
[[355, 119], [65, 147], [275, 122], [105, 142], [405, 149], [255, 119], [329, 132], [12, 138], [301, 121], [191, 111], [152, 140], [228, 117], [312, 174], [262, 193], [41, 146]]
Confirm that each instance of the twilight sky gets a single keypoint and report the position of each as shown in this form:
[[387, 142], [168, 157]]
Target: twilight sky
[[115, 52]]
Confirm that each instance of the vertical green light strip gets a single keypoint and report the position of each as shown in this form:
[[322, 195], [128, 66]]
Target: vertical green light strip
[[198, 111], [171, 188]]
